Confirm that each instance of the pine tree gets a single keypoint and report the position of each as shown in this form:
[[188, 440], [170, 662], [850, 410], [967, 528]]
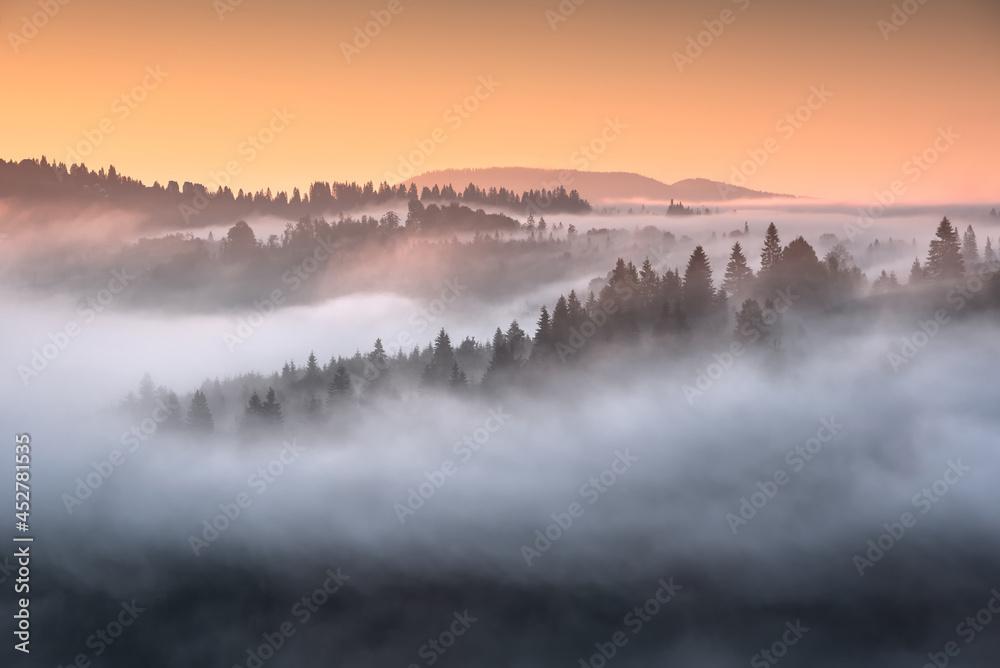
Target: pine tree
[[199, 418], [698, 293], [944, 259], [517, 341], [916, 273], [377, 356], [542, 345], [771, 253], [253, 417], [738, 275], [970, 249], [560, 321], [989, 255], [340, 388], [436, 372], [271, 409], [574, 310], [457, 379], [313, 377], [649, 283], [750, 320]]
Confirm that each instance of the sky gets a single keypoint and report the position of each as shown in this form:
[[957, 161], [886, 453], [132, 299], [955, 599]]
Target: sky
[[535, 82]]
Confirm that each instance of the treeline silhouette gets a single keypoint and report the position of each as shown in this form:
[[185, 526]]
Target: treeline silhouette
[[635, 307], [193, 204]]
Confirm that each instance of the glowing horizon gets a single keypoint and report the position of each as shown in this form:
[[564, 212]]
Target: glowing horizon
[[532, 87]]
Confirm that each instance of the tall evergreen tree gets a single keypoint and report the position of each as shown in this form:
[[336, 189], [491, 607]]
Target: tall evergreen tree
[[738, 275], [542, 346], [750, 321], [989, 255], [771, 253], [199, 417], [340, 387], [970, 249], [457, 380], [574, 310], [698, 294], [271, 409], [517, 341], [649, 284], [437, 371], [560, 321], [944, 259]]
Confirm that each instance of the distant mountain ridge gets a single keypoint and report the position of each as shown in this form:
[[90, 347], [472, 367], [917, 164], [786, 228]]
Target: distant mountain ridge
[[593, 186]]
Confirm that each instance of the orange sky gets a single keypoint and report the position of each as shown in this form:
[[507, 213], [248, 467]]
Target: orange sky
[[557, 88]]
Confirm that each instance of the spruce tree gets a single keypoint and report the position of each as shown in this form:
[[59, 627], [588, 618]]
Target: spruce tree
[[970, 249], [750, 320], [944, 259], [916, 273], [271, 409], [698, 294], [199, 417], [542, 345], [436, 372], [771, 253], [340, 388], [738, 275], [517, 341], [989, 255], [457, 380], [560, 321], [574, 310]]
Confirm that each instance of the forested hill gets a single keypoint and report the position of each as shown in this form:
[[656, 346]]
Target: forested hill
[[192, 205]]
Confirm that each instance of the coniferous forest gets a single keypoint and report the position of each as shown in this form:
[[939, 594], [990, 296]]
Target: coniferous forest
[[500, 335]]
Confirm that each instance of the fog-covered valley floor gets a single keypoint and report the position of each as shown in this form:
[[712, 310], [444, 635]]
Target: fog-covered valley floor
[[821, 495]]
